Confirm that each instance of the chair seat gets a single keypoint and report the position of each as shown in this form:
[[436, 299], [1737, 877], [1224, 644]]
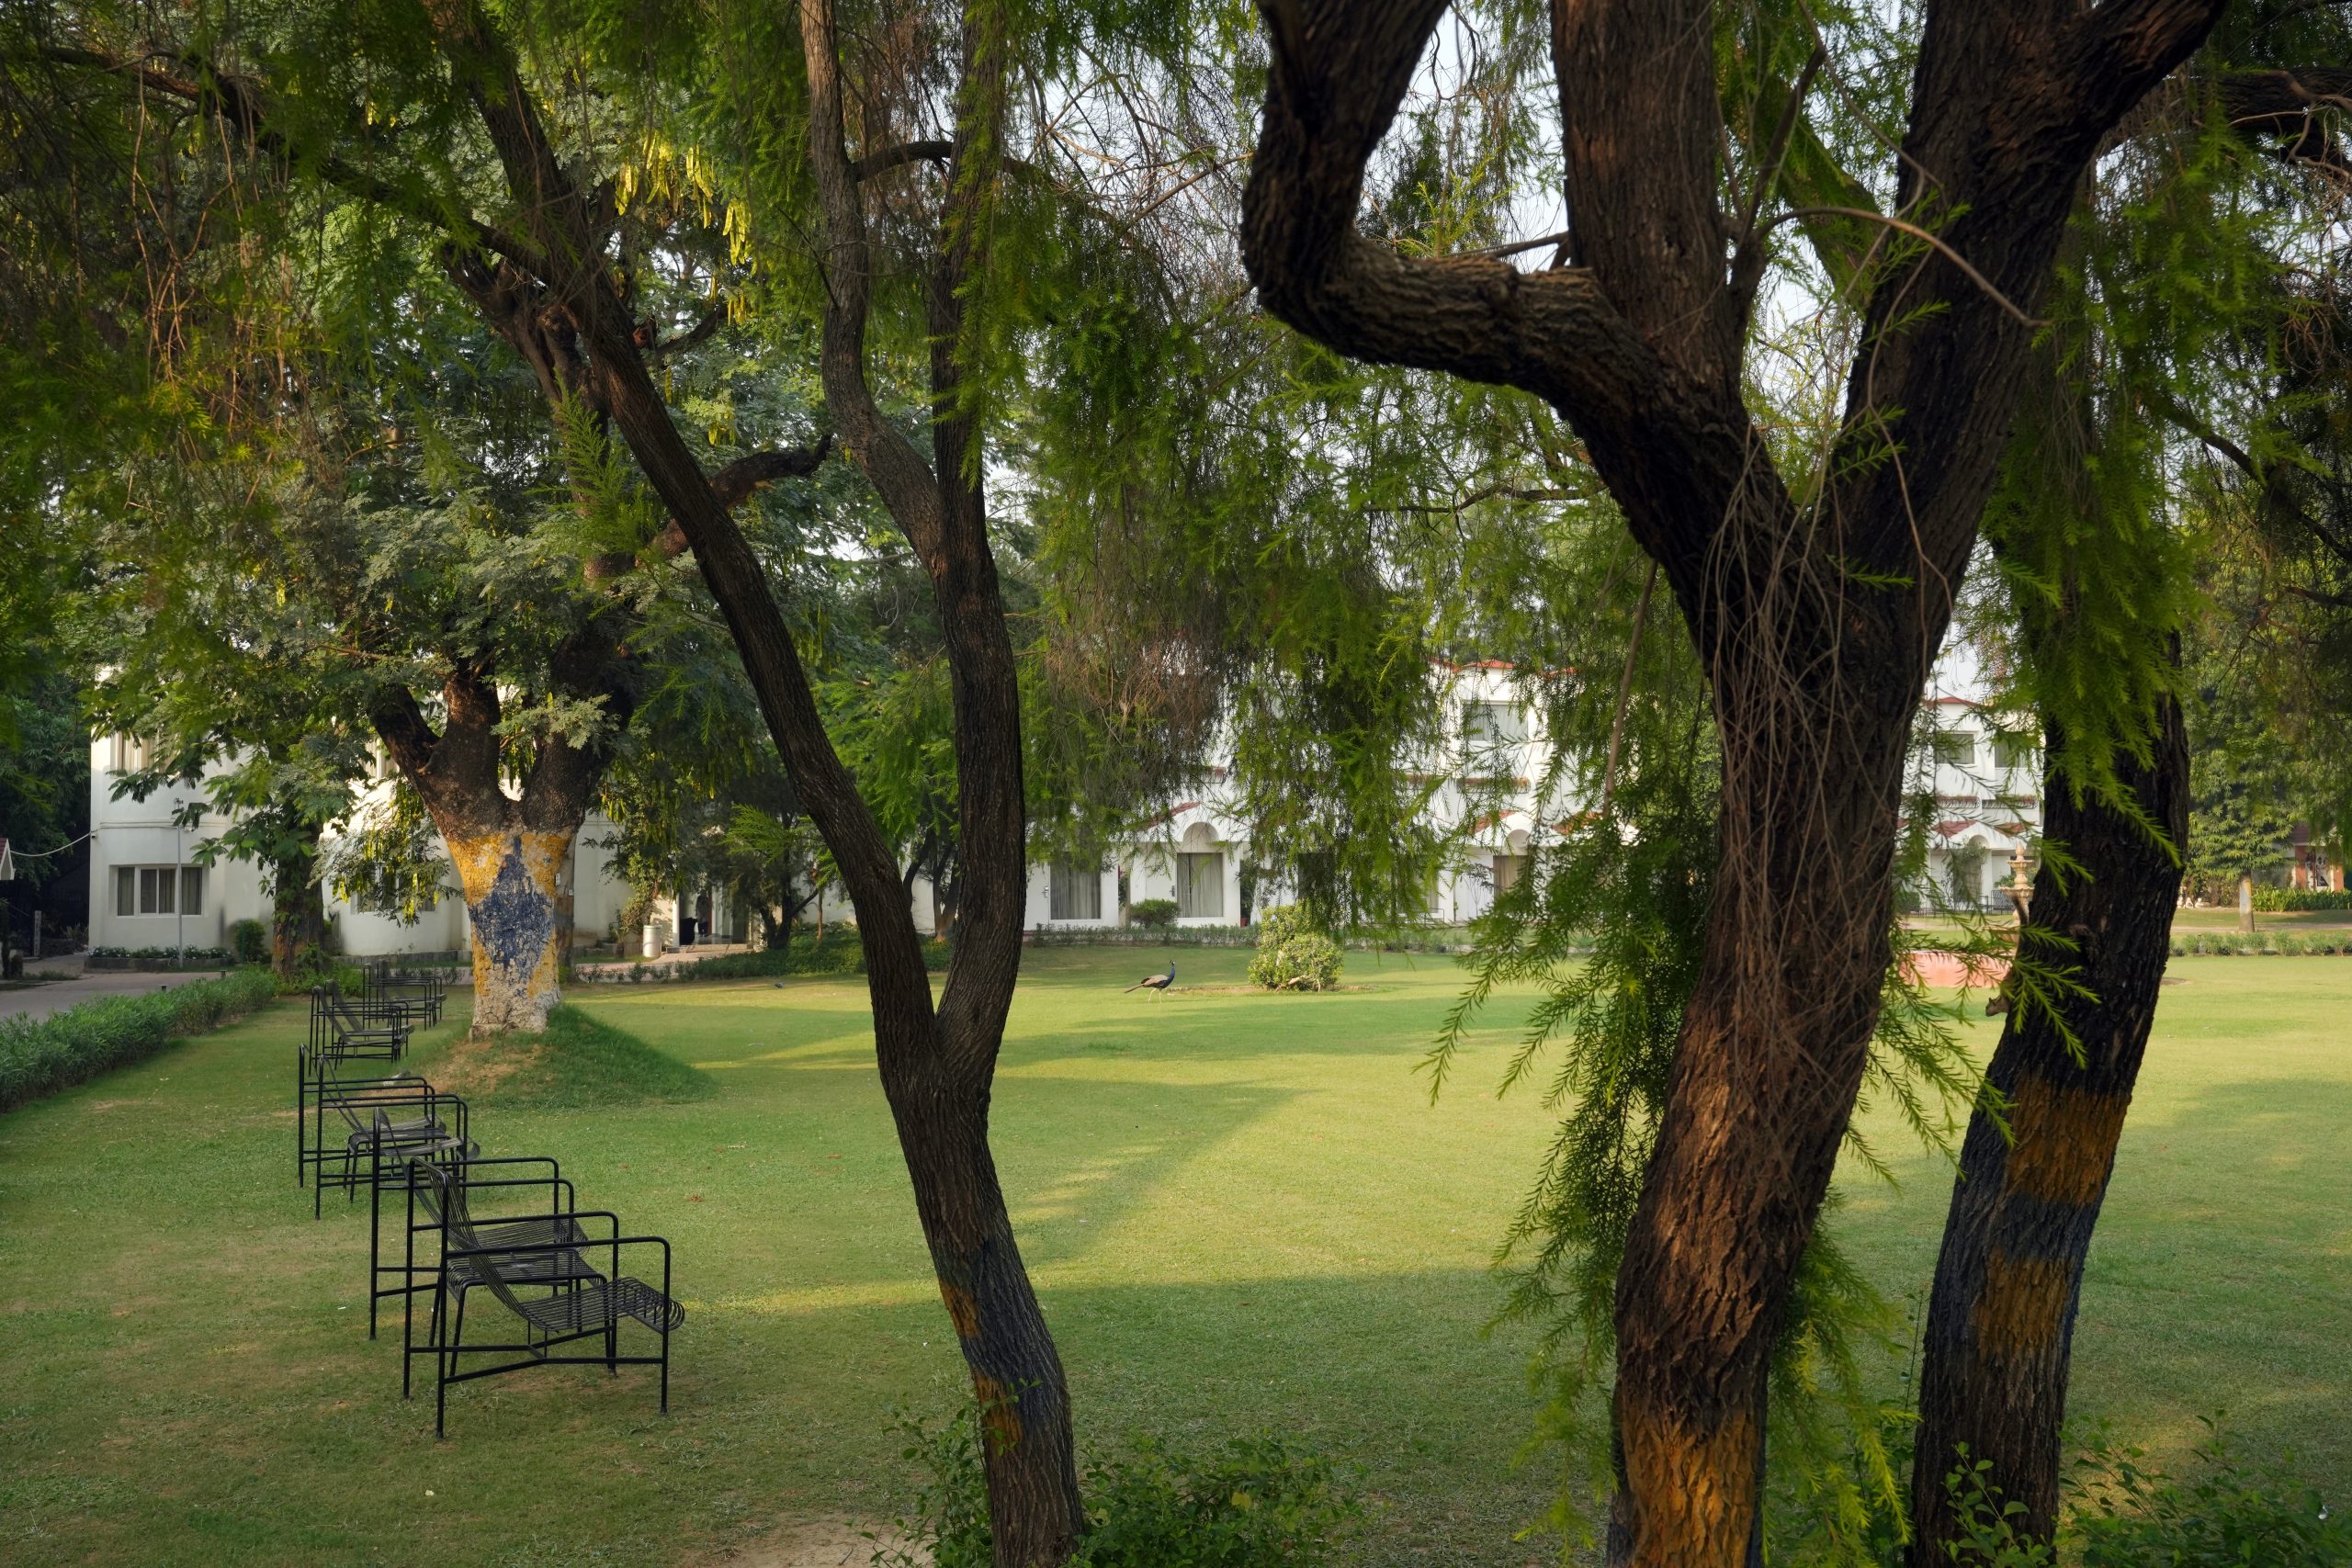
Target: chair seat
[[601, 1306], [529, 1269]]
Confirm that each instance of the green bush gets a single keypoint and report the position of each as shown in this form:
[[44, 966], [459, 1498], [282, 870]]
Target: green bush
[[1259, 1503], [315, 966], [78, 1044], [1152, 914], [1294, 954], [2223, 1514], [161, 958], [2287, 900], [249, 940]]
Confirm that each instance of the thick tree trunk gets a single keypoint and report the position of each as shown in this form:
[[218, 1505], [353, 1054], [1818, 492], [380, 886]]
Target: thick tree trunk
[[2001, 1320], [298, 907], [1775, 1039], [511, 903]]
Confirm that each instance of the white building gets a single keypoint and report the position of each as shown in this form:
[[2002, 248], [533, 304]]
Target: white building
[[149, 888], [1986, 781]]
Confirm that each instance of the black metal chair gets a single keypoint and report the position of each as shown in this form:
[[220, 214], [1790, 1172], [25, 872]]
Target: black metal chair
[[431, 1123], [394, 994], [320, 1081], [339, 1025], [582, 1302], [479, 1173]]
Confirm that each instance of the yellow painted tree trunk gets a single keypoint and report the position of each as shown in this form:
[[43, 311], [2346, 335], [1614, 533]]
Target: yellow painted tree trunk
[[511, 901]]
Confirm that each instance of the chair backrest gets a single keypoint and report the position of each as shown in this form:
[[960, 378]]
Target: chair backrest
[[442, 1189]]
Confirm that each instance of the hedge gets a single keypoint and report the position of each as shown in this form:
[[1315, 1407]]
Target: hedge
[[838, 952], [2285, 900], [80, 1041], [2260, 944]]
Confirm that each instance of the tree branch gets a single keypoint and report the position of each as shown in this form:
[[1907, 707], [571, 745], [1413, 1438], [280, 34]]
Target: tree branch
[[905, 152]]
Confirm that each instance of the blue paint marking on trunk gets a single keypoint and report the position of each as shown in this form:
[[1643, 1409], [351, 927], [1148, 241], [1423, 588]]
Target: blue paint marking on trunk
[[514, 921]]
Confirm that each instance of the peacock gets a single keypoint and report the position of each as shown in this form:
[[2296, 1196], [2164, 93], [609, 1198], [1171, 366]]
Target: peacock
[[1157, 982]]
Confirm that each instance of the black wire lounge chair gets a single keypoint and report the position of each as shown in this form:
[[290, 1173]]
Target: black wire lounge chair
[[338, 1024], [391, 995], [578, 1303], [385, 1121], [502, 1177], [321, 1079]]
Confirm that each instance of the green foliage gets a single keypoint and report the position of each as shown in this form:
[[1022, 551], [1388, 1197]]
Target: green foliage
[[40, 1058], [2225, 1513], [249, 940], [314, 967], [1153, 914], [2253, 945], [1258, 1502], [162, 958], [580, 1061], [392, 863], [1294, 954], [2284, 900]]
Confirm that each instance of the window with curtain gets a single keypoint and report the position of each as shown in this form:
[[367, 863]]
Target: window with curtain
[[1200, 885], [1076, 890], [159, 890]]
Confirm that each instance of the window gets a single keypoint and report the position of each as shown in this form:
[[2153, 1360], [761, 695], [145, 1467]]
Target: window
[[1490, 732], [126, 754], [1076, 890], [159, 890], [2013, 751], [1508, 869], [1958, 750], [1200, 886]]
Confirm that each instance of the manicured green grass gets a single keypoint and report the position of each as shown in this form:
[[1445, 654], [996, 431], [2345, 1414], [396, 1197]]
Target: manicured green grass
[[1241, 1210]]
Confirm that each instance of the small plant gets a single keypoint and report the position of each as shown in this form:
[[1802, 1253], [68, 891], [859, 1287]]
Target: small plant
[[2121, 1514], [1153, 914], [1258, 1503], [249, 940], [1294, 954]]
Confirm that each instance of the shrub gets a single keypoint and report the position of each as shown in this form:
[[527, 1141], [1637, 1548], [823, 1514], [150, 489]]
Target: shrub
[[1294, 954], [78, 1044], [2283, 900], [1259, 1503], [1153, 914], [314, 967], [162, 958], [837, 952], [249, 940], [2224, 1514]]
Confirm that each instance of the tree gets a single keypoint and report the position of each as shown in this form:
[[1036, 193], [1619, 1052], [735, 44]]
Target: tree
[[1815, 601], [2174, 304], [450, 131]]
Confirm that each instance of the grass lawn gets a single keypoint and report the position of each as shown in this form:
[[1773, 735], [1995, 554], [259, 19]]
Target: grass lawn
[[1241, 1210]]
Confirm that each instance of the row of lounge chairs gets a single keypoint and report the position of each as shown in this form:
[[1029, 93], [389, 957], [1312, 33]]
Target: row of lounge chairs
[[508, 1226]]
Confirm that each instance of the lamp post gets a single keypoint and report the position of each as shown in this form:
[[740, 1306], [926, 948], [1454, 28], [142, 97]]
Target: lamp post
[[2021, 885], [179, 896]]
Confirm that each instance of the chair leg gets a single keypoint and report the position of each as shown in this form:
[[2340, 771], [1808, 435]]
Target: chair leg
[[665, 1372]]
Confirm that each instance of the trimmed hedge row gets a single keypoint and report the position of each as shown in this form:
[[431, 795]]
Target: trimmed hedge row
[[2260, 944], [2290, 900], [838, 954], [78, 1044]]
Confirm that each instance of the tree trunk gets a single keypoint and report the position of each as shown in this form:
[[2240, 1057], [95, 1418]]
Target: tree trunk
[[297, 906], [510, 880], [1774, 1042], [2001, 1320]]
